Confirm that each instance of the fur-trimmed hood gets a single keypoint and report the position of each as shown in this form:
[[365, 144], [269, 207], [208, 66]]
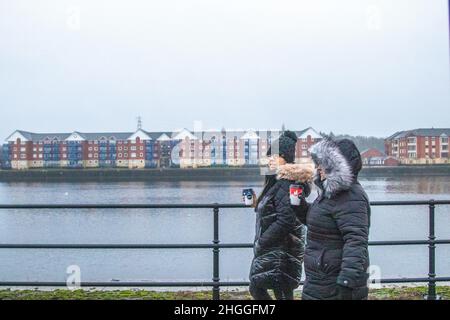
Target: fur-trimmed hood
[[339, 172], [296, 172]]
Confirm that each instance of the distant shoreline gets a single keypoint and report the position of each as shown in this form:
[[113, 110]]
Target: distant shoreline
[[199, 174]]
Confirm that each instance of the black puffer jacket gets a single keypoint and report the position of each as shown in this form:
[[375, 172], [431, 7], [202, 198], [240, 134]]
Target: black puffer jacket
[[336, 255], [280, 237]]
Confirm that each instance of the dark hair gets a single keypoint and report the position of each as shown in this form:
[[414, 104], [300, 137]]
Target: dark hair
[[269, 182]]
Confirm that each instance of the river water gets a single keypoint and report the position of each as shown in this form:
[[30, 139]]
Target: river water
[[190, 226]]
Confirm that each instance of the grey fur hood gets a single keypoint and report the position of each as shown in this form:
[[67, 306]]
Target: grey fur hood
[[338, 170], [296, 172]]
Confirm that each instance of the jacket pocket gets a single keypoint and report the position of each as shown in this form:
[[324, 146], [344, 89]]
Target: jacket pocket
[[313, 260], [331, 260]]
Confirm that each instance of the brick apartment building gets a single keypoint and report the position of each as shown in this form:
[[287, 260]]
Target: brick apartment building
[[144, 149], [419, 146], [375, 157]]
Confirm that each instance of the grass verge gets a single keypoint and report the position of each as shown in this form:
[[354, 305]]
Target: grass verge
[[396, 293]]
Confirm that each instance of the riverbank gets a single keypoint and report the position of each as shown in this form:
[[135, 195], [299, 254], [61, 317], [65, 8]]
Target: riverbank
[[208, 174], [390, 293]]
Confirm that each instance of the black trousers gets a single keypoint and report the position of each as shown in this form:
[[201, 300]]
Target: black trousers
[[281, 293]]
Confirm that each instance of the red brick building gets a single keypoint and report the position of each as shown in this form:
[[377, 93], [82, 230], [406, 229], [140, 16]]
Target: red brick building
[[141, 149], [419, 146], [375, 157], [306, 138], [391, 161]]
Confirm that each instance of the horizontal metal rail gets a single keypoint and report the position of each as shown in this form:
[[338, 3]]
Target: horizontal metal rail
[[122, 206], [187, 246], [191, 206], [216, 246], [183, 284]]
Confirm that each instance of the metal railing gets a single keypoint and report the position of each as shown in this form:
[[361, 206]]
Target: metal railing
[[216, 246]]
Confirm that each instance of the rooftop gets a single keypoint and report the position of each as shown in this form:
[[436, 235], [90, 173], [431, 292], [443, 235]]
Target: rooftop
[[161, 135], [421, 132]]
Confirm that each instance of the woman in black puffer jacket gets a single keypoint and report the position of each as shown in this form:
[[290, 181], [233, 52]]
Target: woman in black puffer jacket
[[336, 255], [280, 237]]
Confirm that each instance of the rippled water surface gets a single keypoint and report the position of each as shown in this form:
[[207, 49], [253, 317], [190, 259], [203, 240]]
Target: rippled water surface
[[189, 226]]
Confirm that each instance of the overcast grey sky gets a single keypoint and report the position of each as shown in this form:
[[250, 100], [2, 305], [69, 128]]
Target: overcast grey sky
[[367, 67]]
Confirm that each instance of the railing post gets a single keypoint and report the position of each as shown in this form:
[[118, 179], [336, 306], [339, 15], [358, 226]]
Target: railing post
[[216, 278], [431, 255]]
